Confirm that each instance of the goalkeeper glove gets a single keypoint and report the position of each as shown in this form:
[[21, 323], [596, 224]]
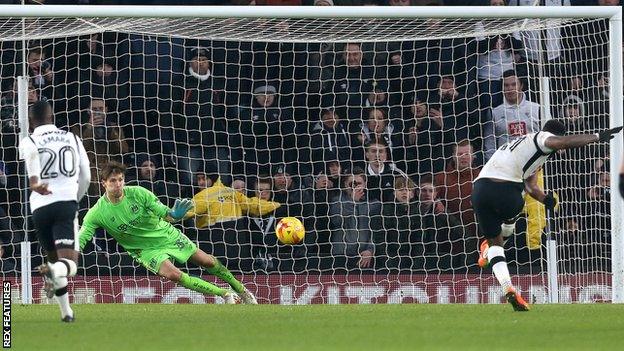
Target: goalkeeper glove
[[608, 134], [550, 201], [180, 208]]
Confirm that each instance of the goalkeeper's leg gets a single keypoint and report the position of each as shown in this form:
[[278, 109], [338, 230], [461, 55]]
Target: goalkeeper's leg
[[171, 272], [214, 267]]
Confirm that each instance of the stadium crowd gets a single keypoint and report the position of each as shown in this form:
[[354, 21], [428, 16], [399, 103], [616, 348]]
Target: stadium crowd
[[373, 145]]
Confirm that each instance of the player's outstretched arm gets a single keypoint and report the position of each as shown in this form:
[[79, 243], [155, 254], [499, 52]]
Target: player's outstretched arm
[[179, 210], [533, 189], [572, 141]]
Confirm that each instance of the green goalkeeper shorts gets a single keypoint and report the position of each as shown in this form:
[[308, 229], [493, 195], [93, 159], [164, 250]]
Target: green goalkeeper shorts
[[179, 248]]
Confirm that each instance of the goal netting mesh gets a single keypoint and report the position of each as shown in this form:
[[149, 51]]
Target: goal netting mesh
[[368, 130]]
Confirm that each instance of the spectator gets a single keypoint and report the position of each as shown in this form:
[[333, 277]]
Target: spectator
[[534, 40], [103, 140], [576, 85], [324, 187], [459, 120], [330, 139], [380, 172], [92, 65], [349, 83], [239, 185], [496, 54], [422, 137], [200, 127], [402, 247], [287, 191], [439, 230], [42, 74], [105, 84], [435, 57], [8, 106], [599, 101], [354, 220], [264, 241], [268, 132], [146, 171], [377, 95], [150, 177], [596, 202], [516, 116], [573, 112], [92, 51], [328, 180], [378, 127], [454, 187]]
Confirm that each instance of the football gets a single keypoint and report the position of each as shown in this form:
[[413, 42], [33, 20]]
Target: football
[[290, 231]]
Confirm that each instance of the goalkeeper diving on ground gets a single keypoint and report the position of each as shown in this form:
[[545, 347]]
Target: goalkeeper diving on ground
[[141, 224], [497, 192]]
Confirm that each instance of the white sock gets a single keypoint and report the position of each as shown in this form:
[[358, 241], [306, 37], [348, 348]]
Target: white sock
[[62, 296], [496, 256], [59, 283], [507, 231], [59, 268]]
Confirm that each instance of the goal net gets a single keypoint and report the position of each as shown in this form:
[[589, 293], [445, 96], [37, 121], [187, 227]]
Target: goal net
[[369, 130]]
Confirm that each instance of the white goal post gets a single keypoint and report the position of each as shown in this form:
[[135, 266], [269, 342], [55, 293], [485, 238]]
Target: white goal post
[[23, 23]]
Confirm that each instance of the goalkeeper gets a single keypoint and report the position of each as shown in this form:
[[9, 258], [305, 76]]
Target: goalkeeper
[[141, 224]]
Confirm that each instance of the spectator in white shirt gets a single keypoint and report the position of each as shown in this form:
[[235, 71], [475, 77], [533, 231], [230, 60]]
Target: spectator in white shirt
[[531, 39], [515, 116]]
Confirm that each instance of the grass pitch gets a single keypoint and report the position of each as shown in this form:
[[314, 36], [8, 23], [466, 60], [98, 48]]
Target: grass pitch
[[319, 327]]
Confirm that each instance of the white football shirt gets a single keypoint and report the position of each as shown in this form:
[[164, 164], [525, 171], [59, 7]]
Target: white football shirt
[[518, 159], [59, 159]]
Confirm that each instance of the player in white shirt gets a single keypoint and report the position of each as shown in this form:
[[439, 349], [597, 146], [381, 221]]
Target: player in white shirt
[[497, 192], [58, 173]]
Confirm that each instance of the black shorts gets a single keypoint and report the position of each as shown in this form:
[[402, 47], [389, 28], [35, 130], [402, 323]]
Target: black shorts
[[494, 203], [57, 225]]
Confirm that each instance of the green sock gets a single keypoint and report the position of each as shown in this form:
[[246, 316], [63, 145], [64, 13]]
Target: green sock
[[200, 285], [221, 272]]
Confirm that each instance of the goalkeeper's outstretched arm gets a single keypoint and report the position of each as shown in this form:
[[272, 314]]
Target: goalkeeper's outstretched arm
[[174, 214], [179, 210]]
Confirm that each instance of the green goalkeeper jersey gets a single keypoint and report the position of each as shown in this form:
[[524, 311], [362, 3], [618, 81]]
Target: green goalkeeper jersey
[[136, 222]]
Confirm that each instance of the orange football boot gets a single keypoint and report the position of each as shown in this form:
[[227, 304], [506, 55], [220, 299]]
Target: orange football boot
[[516, 300], [483, 248]]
